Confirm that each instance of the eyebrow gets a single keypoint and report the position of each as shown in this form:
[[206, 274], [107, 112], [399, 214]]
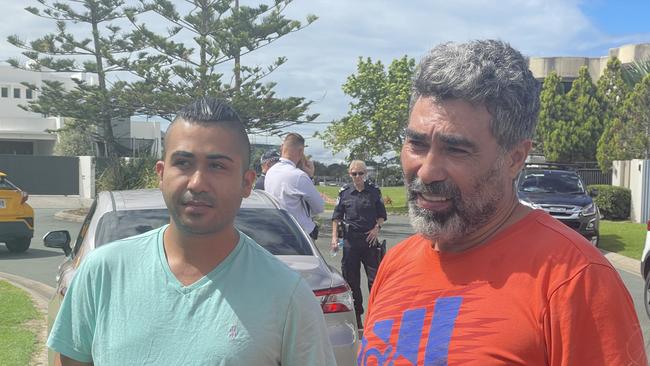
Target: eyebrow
[[189, 155], [449, 139]]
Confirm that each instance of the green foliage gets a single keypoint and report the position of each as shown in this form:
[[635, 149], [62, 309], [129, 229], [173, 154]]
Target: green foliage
[[378, 114], [17, 341], [106, 50], [552, 113], [586, 122], [73, 142], [637, 121], [636, 71], [177, 68], [128, 173], [613, 91], [613, 202]]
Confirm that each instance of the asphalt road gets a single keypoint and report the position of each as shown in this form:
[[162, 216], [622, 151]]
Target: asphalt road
[[40, 263]]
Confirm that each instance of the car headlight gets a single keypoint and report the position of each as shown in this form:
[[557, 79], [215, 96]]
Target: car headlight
[[588, 210], [529, 204]]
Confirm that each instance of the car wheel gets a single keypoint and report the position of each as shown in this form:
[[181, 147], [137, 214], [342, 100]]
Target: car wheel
[[19, 245], [646, 294]]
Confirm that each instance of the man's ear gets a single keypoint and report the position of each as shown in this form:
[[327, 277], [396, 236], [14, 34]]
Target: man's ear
[[247, 182], [516, 157], [160, 168]]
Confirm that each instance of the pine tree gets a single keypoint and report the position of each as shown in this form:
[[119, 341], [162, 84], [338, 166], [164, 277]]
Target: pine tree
[[552, 114], [586, 117], [613, 91]]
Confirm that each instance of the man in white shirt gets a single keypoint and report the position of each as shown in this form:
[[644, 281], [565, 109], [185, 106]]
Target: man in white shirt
[[290, 182]]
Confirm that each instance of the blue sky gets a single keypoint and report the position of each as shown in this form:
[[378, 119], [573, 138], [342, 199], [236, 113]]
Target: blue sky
[[323, 55]]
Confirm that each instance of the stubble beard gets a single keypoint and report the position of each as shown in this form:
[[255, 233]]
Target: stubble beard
[[466, 215]]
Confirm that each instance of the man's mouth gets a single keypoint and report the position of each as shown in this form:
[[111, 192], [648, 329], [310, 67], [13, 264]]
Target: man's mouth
[[432, 197], [197, 204]]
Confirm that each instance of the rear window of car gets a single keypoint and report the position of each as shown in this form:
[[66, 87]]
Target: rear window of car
[[551, 182], [271, 228]]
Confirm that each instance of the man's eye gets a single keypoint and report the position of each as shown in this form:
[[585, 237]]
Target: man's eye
[[216, 166], [181, 163], [418, 145], [457, 150]]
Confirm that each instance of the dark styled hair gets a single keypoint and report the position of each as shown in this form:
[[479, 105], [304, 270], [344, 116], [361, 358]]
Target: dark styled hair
[[213, 111], [483, 71]]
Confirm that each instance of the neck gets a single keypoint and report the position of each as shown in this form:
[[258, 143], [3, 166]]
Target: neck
[[191, 256], [509, 214], [359, 186]]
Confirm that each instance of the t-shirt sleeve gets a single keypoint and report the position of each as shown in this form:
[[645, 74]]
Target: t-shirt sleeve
[[590, 320], [305, 340], [73, 329], [310, 194]]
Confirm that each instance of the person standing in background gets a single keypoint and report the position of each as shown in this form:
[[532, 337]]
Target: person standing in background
[[361, 211], [268, 159], [290, 182]]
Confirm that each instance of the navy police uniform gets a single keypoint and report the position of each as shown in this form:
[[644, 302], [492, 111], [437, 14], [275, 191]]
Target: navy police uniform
[[359, 212]]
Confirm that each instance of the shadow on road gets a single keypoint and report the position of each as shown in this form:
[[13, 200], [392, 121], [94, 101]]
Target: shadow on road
[[30, 253]]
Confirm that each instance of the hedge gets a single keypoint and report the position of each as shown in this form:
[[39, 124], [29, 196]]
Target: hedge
[[613, 202]]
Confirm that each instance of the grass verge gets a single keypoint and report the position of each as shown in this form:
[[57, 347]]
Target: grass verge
[[395, 198], [623, 237], [17, 338]]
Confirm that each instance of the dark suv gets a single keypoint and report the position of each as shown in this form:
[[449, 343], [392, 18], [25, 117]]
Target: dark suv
[[559, 191]]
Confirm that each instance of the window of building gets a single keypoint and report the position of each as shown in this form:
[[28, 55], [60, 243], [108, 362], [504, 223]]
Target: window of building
[[16, 93], [4, 92], [29, 94]]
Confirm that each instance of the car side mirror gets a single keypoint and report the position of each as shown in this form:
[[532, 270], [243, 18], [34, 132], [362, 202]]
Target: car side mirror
[[593, 192], [58, 239]]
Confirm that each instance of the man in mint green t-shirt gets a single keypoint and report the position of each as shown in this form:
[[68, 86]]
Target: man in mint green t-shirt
[[197, 291]]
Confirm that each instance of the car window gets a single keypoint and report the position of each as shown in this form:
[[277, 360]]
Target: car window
[[7, 185], [84, 229], [271, 228], [551, 182]]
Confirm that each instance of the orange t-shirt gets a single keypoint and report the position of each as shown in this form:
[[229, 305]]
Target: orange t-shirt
[[536, 294]]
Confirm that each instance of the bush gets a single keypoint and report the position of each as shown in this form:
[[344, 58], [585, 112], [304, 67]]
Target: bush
[[613, 202], [131, 173]]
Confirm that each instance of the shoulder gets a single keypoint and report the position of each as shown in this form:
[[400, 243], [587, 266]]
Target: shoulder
[[133, 248], [276, 273], [344, 188], [372, 187]]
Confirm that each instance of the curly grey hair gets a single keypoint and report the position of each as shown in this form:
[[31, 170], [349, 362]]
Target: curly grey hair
[[483, 71]]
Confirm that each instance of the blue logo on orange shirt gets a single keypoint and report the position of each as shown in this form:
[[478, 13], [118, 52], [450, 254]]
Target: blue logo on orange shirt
[[410, 334]]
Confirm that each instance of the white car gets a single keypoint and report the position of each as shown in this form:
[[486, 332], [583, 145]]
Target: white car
[[119, 214], [645, 270]]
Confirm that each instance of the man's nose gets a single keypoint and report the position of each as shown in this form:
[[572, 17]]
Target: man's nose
[[432, 168], [198, 181]]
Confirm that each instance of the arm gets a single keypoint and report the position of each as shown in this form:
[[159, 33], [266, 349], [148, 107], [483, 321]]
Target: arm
[[310, 195], [305, 340], [373, 234], [73, 330], [65, 361], [590, 320]]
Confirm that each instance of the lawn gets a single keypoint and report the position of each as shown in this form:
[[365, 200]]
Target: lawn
[[394, 196], [623, 237], [17, 341]]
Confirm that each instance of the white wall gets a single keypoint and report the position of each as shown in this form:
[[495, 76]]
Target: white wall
[[87, 177]]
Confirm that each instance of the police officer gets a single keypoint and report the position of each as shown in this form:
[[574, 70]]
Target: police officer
[[361, 210]]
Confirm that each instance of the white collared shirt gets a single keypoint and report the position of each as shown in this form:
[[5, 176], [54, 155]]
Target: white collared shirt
[[295, 191]]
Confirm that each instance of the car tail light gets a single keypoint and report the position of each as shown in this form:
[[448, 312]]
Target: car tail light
[[335, 299], [24, 197]]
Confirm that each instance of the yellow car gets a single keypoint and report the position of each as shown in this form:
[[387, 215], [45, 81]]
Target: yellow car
[[16, 217]]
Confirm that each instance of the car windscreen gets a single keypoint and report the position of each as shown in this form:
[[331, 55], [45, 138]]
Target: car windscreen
[[273, 229], [550, 182], [5, 184]]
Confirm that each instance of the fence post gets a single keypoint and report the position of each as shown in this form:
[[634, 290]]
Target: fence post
[[87, 177]]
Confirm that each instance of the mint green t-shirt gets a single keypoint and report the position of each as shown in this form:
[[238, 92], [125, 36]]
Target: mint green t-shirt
[[125, 307]]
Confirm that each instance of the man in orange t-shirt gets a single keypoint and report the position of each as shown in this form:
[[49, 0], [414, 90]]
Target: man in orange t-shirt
[[487, 280]]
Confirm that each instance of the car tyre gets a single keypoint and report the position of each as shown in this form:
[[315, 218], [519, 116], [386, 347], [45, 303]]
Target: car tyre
[[646, 294], [19, 245]]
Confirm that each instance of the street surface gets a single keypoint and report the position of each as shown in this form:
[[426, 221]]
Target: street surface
[[40, 263]]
